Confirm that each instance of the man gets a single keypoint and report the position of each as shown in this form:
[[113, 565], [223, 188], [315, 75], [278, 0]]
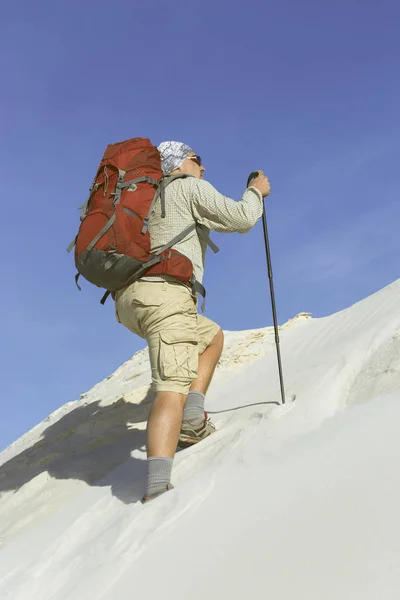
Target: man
[[184, 347]]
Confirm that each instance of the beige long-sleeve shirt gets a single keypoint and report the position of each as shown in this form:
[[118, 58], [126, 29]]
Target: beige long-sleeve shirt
[[193, 200]]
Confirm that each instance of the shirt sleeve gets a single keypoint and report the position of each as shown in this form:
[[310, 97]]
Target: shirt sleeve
[[219, 213]]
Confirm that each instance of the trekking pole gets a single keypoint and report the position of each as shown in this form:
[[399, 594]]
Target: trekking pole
[[271, 287]]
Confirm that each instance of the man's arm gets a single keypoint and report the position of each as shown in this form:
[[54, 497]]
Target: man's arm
[[219, 213]]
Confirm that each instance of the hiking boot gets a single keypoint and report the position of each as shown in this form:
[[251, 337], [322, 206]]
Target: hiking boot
[[168, 487], [193, 433]]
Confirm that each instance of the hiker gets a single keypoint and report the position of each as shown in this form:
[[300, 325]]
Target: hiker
[[184, 346]]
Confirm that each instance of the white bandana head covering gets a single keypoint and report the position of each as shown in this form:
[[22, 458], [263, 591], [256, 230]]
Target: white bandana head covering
[[173, 154]]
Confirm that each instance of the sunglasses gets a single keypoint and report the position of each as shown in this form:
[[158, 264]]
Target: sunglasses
[[196, 159]]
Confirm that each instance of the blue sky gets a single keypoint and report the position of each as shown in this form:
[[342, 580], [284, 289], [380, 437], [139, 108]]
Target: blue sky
[[307, 91]]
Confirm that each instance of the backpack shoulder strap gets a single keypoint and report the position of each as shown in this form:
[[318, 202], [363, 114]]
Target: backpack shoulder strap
[[204, 233], [160, 193]]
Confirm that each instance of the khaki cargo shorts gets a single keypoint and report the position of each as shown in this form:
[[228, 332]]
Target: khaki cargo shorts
[[165, 315]]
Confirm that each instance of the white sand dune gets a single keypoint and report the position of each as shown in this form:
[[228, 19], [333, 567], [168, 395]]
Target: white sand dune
[[286, 502]]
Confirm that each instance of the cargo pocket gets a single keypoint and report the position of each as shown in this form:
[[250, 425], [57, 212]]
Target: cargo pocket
[[178, 355]]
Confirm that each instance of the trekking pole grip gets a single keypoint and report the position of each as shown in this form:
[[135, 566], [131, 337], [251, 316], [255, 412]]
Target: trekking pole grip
[[252, 176]]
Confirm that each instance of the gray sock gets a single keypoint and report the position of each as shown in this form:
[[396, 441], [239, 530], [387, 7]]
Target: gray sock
[[158, 474], [194, 407]]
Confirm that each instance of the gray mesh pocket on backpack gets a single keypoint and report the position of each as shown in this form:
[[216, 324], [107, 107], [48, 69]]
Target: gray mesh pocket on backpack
[[107, 270]]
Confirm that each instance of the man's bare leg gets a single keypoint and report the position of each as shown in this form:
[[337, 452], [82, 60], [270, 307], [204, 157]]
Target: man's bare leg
[[194, 406], [207, 363], [163, 429], [164, 424]]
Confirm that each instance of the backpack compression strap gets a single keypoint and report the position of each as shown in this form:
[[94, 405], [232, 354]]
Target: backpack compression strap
[[132, 184]]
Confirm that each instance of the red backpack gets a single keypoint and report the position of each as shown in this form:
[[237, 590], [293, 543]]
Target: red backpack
[[112, 247]]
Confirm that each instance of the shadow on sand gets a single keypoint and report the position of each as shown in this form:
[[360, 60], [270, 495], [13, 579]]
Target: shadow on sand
[[88, 444]]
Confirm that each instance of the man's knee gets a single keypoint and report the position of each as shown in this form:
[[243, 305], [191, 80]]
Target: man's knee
[[219, 337], [218, 340], [171, 397]]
